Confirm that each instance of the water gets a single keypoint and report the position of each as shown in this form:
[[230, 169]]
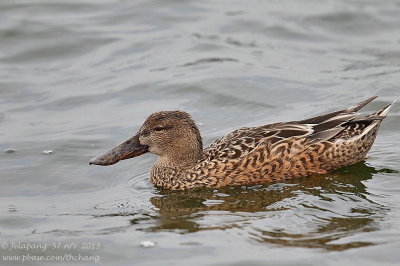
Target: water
[[77, 77]]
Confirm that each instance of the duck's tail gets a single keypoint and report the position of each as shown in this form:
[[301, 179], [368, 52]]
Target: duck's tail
[[346, 124], [357, 135], [372, 121]]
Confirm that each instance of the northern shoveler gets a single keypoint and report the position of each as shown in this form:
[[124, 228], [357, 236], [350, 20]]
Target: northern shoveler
[[250, 155]]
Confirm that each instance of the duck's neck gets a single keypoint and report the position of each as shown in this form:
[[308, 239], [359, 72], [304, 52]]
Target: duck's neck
[[182, 157], [170, 171]]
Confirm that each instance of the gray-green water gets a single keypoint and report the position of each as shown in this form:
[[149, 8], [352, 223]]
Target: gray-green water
[[77, 77]]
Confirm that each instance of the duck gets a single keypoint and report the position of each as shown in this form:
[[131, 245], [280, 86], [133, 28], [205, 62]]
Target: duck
[[249, 155]]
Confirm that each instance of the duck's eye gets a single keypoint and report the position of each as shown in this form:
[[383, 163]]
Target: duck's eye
[[159, 129]]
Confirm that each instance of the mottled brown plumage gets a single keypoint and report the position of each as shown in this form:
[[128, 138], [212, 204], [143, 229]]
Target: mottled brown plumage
[[251, 155]]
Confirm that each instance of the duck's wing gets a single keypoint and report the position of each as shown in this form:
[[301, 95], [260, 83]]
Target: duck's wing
[[327, 127], [243, 141]]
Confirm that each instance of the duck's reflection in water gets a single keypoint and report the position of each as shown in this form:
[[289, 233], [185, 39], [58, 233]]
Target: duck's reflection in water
[[318, 211]]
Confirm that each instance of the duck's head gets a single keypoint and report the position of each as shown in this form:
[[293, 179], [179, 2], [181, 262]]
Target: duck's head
[[172, 135]]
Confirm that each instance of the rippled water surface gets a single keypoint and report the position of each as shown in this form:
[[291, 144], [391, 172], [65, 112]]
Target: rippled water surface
[[78, 77]]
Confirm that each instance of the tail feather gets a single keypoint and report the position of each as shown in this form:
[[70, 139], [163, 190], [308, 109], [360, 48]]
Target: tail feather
[[360, 105], [366, 118], [385, 110], [345, 113], [375, 118], [378, 115]]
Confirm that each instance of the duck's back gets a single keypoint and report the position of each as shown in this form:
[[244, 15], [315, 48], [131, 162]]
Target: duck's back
[[280, 151]]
